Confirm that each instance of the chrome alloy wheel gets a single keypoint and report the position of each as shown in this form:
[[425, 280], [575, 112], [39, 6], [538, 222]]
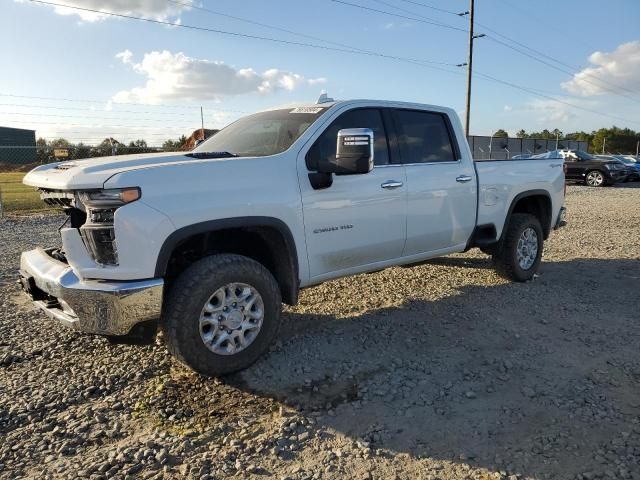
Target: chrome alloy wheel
[[231, 319], [595, 179], [527, 250]]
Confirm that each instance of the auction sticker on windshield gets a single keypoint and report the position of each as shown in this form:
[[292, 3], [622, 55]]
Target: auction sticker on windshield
[[306, 110]]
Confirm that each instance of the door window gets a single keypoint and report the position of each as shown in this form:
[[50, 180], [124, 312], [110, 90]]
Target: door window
[[423, 137], [326, 144]]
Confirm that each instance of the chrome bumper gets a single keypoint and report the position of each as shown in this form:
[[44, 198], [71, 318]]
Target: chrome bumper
[[93, 306]]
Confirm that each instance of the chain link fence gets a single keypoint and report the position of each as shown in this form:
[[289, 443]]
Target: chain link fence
[[21, 155], [504, 148], [16, 160]]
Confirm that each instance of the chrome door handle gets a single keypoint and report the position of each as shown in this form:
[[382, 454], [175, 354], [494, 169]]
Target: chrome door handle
[[391, 184], [463, 179]]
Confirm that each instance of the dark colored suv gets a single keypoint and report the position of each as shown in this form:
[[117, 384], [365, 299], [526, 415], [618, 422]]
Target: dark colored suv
[[594, 171]]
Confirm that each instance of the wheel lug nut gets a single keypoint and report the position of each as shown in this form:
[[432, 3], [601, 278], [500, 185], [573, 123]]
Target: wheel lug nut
[[234, 304]]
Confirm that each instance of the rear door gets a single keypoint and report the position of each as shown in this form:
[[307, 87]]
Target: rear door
[[442, 189], [360, 219]]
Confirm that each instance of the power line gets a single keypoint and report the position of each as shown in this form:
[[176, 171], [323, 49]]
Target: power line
[[78, 100], [303, 35], [81, 109], [432, 7], [240, 35], [265, 25], [100, 125], [488, 77], [420, 20], [83, 116], [550, 65], [548, 97], [425, 63], [573, 70]]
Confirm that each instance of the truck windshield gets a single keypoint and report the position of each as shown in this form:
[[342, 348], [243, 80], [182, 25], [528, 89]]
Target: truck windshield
[[261, 134]]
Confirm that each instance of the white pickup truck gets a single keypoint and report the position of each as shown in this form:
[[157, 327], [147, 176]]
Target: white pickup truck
[[205, 245]]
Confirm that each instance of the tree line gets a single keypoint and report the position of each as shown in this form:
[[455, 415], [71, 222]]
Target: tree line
[[46, 150], [614, 139]]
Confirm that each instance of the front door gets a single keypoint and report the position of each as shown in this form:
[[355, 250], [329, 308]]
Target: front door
[[360, 219]]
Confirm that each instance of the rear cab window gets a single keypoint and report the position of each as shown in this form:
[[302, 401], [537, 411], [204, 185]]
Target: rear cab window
[[424, 137]]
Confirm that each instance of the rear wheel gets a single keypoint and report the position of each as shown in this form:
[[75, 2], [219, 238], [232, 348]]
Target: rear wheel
[[520, 251], [594, 178], [221, 314]]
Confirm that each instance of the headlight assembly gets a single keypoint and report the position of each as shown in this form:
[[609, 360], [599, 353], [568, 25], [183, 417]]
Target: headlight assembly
[[112, 197], [98, 233]]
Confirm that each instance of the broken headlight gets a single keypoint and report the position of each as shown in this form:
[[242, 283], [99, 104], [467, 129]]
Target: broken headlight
[[98, 233]]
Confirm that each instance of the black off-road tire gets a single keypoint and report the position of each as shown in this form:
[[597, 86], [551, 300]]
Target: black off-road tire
[[187, 297], [505, 258]]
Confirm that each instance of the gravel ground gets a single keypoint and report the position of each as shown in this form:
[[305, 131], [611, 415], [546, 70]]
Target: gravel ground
[[441, 371]]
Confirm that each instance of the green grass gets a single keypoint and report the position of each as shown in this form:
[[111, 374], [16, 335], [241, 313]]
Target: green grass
[[19, 198]]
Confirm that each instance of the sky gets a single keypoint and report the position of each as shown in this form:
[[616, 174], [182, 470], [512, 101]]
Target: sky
[[572, 65]]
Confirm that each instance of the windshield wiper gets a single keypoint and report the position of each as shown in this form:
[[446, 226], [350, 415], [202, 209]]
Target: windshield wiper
[[206, 155]]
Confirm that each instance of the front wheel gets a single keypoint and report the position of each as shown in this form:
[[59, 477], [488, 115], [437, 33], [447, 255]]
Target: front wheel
[[221, 314], [520, 252], [594, 178]]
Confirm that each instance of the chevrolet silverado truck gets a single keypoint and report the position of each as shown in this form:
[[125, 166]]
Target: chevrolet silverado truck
[[205, 245]]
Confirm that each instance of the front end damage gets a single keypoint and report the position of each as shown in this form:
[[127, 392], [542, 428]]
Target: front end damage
[[48, 276]]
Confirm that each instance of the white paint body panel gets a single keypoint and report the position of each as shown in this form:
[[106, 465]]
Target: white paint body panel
[[430, 215], [502, 181]]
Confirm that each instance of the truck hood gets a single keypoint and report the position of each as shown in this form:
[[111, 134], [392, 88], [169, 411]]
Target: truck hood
[[94, 172]]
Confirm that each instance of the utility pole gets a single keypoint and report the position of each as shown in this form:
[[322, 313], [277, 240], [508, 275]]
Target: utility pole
[[202, 121], [637, 148], [469, 69], [604, 142], [469, 64]]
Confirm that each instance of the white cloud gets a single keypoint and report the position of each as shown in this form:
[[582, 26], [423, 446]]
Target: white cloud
[[317, 81], [618, 71], [507, 108], [156, 9], [125, 56], [394, 26], [175, 76], [552, 111]]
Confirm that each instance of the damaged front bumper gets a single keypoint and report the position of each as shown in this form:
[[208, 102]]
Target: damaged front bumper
[[93, 306]]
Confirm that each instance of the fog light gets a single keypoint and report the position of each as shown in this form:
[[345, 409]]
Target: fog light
[[100, 242]]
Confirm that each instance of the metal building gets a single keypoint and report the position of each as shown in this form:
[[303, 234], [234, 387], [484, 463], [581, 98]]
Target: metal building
[[17, 146]]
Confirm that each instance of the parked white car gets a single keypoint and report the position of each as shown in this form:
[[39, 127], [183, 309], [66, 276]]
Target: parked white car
[[206, 244]]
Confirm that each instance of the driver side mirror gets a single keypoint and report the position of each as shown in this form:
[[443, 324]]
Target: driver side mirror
[[354, 153]]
